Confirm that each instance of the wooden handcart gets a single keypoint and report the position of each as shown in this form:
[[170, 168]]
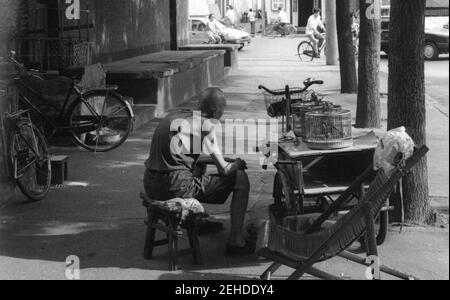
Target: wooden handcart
[[319, 242]]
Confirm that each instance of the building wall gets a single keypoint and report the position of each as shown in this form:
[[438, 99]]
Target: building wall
[[126, 28], [8, 14], [6, 189], [272, 11]]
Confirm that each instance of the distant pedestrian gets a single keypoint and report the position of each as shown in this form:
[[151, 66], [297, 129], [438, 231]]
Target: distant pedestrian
[[355, 25], [252, 19], [231, 15], [259, 14]]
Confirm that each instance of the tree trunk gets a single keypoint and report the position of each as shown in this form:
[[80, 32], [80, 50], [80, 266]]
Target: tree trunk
[[332, 39], [349, 79], [369, 107], [407, 95]]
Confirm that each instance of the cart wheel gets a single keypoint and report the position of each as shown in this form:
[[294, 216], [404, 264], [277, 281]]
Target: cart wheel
[[278, 194], [278, 209]]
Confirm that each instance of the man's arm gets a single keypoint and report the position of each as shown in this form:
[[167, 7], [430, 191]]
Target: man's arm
[[322, 25], [223, 167], [208, 160]]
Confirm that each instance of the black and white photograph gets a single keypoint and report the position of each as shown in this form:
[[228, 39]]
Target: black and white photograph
[[224, 146]]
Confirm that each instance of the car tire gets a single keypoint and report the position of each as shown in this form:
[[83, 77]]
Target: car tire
[[431, 51]]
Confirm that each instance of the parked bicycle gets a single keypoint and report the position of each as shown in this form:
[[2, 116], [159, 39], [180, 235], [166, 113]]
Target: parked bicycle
[[306, 51], [278, 105], [276, 28], [28, 158], [99, 120]]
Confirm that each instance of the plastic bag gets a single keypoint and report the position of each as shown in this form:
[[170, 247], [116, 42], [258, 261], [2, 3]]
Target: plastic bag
[[395, 148]]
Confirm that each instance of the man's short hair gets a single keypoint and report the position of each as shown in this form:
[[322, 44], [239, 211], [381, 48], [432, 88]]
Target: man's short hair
[[210, 16], [212, 103], [317, 10]]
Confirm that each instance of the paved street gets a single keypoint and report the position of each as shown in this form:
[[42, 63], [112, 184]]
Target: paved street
[[437, 79], [98, 215]]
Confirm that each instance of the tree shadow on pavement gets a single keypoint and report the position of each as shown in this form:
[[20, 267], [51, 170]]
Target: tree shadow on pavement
[[106, 245]]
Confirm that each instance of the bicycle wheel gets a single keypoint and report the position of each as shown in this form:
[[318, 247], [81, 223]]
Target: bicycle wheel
[[30, 163], [305, 51], [101, 121]]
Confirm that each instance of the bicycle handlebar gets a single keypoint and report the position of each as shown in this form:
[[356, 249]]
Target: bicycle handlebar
[[261, 87], [293, 91], [318, 82], [22, 68], [16, 114]]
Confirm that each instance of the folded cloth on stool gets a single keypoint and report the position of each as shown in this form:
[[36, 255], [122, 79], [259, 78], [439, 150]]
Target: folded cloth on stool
[[187, 207]]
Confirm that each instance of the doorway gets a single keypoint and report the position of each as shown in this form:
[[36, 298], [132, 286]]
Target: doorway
[[305, 10]]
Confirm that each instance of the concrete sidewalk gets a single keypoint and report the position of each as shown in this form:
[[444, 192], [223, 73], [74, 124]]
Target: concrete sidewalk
[[98, 215]]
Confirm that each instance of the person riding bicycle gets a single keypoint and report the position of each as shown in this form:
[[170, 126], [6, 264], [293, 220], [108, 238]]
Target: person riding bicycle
[[312, 31], [283, 20], [214, 30]]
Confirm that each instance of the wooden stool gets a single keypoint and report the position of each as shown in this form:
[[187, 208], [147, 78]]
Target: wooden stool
[[169, 222], [60, 170]]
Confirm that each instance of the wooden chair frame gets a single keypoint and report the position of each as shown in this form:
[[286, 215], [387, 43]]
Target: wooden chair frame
[[367, 209]]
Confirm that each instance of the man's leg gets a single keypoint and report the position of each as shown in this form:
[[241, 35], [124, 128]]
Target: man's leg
[[218, 189], [283, 29], [314, 42], [321, 40], [212, 38], [239, 206]]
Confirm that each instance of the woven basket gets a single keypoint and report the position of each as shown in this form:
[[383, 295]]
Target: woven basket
[[276, 104], [328, 130]]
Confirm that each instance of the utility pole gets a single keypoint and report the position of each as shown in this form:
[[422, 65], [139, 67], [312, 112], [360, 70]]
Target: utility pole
[[264, 16], [332, 40]]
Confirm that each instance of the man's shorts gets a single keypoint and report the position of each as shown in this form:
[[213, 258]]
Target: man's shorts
[[164, 186]]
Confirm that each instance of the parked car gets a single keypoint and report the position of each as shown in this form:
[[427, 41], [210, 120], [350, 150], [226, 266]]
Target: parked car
[[198, 35], [436, 39]]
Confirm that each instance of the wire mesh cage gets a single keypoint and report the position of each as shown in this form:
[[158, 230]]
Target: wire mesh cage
[[328, 130], [299, 111]]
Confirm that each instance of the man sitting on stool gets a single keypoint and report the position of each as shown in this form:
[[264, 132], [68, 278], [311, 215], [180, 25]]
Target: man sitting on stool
[[171, 173]]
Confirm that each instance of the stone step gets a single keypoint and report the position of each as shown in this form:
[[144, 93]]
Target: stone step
[[144, 113]]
